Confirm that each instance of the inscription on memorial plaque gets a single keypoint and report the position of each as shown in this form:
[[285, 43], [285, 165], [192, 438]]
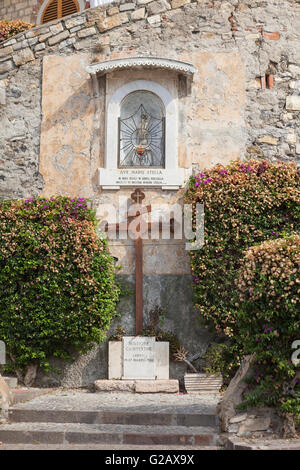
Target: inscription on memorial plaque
[[138, 357]]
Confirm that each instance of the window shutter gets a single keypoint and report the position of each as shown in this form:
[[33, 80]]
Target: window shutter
[[69, 7], [58, 8], [51, 12]]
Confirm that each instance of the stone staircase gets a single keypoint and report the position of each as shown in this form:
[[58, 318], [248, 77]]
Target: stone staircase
[[177, 425]]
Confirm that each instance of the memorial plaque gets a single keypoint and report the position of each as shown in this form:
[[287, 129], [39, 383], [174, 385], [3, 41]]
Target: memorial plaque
[[138, 357], [145, 177]]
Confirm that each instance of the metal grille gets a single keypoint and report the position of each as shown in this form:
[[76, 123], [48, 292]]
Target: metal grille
[[141, 139]]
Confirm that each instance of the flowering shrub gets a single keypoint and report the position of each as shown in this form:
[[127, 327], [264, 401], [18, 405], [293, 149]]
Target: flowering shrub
[[268, 319], [11, 28], [57, 287], [246, 203]]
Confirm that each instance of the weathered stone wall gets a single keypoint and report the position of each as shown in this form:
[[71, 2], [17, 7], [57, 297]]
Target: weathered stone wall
[[264, 34], [244, 99], [25, 10]]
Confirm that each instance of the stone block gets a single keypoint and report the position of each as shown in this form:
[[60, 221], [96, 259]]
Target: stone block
[[238, 418], [12, 382], [157, 386], [293, 103], [291, 138], [76, 21], [23, 56], [161, 360], [6, 51], [158, 6], [179, 3], [298, 149], [56, 28], [143, 2], [58, 38], [137, 386], [84, 33], [124, 17], [114, 385], [114, 10], [115, 366], [6, 66], [40, 47], [254, 424], [85, 43], [268, 139], [2, 102], [45, 36], [109, 23], [127, 6], [5, 392], [294, 69], [138, 14], [154, 19]]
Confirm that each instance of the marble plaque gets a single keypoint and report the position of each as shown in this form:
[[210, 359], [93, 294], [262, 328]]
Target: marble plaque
[[145, 177], [138, 357]]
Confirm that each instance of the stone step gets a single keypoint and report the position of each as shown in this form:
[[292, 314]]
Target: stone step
[[12, 382], [131, 447], [74, 433], [116, 416]]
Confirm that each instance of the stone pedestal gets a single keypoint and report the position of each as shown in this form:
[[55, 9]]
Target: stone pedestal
[[138, 364], [138, 357], [137, 386]]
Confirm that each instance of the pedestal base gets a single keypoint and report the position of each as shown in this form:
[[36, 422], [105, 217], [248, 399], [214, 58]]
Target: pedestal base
[[137, 386]]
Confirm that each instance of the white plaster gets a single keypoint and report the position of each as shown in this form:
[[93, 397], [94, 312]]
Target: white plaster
[[108, 175], [108, 66]]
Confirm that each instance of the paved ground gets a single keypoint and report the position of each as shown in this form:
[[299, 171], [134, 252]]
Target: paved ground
[[80, 399], [102, 447]]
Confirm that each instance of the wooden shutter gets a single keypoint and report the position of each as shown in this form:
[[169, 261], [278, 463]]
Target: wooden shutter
[[69, 7], [58, 8], [51, 11]]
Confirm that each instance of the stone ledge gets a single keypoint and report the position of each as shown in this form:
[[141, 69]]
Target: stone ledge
[[234, 443], [137, 386]]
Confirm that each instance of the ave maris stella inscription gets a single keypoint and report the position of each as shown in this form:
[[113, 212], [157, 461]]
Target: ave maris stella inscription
[[138, 357]]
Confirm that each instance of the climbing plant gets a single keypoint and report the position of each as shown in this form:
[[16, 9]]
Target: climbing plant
[[57, 285]]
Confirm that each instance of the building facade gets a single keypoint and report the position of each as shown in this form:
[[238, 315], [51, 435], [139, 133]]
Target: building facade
[[40, 11], [140, 95]]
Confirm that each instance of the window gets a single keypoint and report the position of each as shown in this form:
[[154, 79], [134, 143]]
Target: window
[[141, 131], [56, 9]]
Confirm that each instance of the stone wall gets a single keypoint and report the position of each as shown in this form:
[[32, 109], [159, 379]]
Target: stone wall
[[266, 40], [25, 10], [244, 99]]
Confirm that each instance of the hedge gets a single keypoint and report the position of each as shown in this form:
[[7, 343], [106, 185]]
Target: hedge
[[246, 203], [57, 286]]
